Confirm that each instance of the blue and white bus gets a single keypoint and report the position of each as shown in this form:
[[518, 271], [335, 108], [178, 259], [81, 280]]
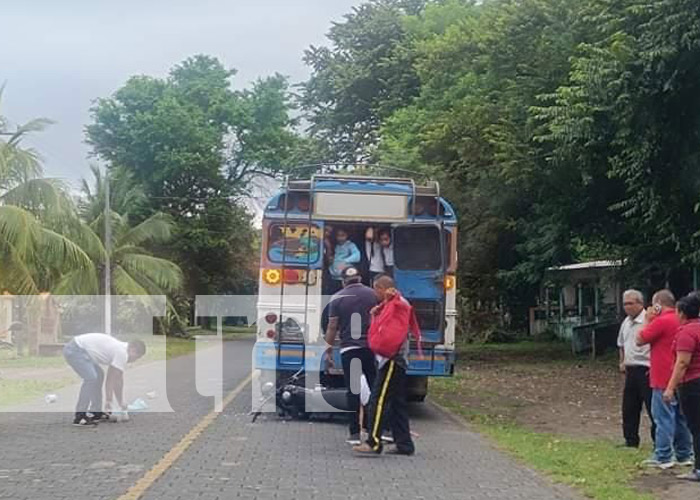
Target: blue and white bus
[[294, 274]]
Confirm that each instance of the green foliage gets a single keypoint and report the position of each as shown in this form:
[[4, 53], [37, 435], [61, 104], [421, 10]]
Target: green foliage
[[33, 212], [482, 67], [361, 79], [135, 271], [193, 145], [632, 107], [561, 130]]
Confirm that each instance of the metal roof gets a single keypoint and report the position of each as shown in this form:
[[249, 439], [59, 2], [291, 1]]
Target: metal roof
[[594, 264]]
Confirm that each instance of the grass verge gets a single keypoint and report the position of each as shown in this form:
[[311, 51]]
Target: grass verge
[[34, 384], [13, 392], [597, 467]]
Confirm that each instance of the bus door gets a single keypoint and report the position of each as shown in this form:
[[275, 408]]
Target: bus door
[[420, 276]]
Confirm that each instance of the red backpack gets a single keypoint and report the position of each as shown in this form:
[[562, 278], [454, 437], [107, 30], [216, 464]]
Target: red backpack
[[390, 326]]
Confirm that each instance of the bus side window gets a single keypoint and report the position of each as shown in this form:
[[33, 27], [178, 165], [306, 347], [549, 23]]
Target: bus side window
[[292, 244], [417, 248]]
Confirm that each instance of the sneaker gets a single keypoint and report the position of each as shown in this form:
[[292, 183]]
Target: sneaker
[[399, 451], [99, 416], [627, 445], [367, 450], [688, 462], [653, 463], [690, 476], [387, 438], [354, 440], [83, 421]]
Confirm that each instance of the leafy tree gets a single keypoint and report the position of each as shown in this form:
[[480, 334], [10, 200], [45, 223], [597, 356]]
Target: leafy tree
[[134, 268], [33, 212], [360, 79], [482, 67], [194, 144], [631, 108]]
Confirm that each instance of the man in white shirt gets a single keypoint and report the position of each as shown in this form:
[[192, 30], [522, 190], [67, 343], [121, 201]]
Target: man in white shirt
[[634, 363], [86, 354]]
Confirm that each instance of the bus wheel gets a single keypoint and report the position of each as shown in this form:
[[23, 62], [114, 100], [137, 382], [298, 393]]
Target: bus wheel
[[417, 388]]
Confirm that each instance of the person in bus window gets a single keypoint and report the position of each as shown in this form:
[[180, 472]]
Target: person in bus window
[[379, 252], [328, 255], [345, 255]]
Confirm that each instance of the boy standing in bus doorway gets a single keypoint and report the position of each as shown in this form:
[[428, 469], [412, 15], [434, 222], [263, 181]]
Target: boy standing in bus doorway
[[388, 398], [345, 254], [379, 252], [354, 302]]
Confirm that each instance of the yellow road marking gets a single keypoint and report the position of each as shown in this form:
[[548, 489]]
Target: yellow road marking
[[138, 489]]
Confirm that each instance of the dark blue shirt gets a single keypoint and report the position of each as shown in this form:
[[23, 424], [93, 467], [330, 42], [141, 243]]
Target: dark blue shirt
[[353, 300]]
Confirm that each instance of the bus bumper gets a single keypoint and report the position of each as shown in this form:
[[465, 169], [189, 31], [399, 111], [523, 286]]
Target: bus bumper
[[290, 357]]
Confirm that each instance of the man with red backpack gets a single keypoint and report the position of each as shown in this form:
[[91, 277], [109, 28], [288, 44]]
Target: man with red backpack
[[388, 339]]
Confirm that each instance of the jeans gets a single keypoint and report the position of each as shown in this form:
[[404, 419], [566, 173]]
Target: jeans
[[636, 395], [689, 394], [672, 434], [352, 380], [90, 397]]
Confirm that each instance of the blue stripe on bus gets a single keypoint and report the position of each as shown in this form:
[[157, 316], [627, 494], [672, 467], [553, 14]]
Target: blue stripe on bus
[[439, 362]]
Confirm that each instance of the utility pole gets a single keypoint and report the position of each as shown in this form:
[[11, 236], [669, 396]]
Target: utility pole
[[108, 264]]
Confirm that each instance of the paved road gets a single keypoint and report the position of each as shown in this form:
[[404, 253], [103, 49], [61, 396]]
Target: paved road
[[41, 457]]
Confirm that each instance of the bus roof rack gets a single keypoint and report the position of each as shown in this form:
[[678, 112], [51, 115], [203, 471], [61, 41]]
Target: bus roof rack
[[431, 188], [362, 178]]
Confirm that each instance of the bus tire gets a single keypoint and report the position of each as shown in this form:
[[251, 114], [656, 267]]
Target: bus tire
[[416, 389], [417, 398]]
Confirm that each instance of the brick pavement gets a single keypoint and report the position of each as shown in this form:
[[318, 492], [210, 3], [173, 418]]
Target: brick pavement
[[274, 459], [43, 458]]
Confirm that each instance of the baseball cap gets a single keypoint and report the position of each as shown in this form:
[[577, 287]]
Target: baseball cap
[[350, 273]]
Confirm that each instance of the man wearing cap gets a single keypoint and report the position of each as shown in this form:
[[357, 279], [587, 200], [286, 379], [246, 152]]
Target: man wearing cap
[[349, 318]]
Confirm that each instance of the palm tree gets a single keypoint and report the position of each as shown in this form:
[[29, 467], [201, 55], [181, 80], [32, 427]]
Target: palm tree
[[135, 271], [33, 212]]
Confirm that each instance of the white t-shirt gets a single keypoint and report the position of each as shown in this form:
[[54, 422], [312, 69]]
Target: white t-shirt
[[379, 256], [104, 349], [635, 355], [389, 255]]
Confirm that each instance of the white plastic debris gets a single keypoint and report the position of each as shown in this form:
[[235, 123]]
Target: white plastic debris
[[137, 405], [365, 391], [119, 416], [152, 395], [50, 398]]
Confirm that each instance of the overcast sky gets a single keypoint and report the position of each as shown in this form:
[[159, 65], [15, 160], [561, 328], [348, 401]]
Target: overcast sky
[[56, 57]]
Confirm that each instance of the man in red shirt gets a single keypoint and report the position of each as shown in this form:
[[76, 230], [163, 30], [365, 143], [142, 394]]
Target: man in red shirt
[[672, 434], [686, 373]]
